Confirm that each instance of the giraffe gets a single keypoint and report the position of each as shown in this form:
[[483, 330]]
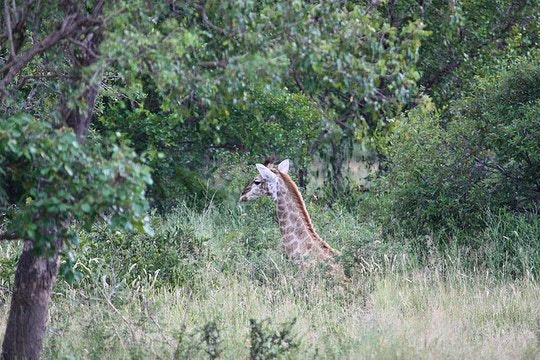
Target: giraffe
[[299, 239]]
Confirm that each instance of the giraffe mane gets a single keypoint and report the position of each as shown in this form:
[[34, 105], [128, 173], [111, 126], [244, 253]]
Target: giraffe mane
[[299, 200]]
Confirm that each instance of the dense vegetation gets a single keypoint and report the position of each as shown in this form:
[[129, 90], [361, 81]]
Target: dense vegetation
[[449, 169], [128, 129]]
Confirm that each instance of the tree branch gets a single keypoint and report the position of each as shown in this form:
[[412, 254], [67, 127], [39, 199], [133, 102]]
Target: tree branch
[[435, 78], [214, 64], [51, 75], [9, 30], [70, 24], [19, 28], [207, 22], [84, 46], [495, 168], [8, 236]]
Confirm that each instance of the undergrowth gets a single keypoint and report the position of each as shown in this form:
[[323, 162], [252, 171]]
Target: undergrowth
[[215, 284]]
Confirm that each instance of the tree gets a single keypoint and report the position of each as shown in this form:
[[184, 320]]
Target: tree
[[200, 64], [482, 154], [467, 37], [50, 176]]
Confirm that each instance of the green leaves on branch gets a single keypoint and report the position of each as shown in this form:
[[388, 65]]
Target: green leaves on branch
[[196, 60], [274, 121], [446, 172], [359, 69], [52, 179], [468, 38], [189, 78]]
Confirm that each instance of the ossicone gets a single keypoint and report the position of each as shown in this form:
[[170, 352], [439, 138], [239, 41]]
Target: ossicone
[[270, 160]]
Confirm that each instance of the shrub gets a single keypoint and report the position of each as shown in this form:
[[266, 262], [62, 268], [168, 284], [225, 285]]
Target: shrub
[[183, 153], [173, 256], [446, 171], [266, 344]]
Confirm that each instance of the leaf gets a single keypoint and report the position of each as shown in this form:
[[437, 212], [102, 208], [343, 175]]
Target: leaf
[[86, 208], [68, 169]]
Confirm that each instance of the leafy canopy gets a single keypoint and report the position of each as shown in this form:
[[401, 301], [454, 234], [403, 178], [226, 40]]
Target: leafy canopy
[[191, 79], [49, 179]]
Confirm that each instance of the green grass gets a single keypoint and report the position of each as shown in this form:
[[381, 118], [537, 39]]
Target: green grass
[[146, 298]]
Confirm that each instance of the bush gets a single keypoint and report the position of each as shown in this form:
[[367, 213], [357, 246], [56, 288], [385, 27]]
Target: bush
[[184, 153], [266, 344], [173, 256], [485, 154]]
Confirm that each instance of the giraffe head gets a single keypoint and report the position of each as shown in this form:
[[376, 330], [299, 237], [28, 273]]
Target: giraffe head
[[265, 183]]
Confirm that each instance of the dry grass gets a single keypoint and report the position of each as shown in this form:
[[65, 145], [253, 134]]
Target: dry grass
[[419, 315]]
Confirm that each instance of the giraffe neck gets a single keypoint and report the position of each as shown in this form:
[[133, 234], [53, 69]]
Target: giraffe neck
[[299, 238]]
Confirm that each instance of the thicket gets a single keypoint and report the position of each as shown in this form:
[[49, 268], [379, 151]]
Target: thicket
[[482, 154], [454, 172]]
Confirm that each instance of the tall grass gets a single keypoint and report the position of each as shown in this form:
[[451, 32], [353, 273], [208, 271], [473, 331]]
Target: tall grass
[[215, 284], [414, 316]]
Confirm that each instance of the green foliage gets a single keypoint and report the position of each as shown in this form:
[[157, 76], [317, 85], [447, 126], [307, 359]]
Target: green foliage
[[9, 256], [266, 344], [208, 339], [52, 179], [510, 243], [426, 178], [184, 58], [172, 256], [269, 121], [502, 123], [447, 172], [212, 339], [275, 121], [467, 38], [189, 80]]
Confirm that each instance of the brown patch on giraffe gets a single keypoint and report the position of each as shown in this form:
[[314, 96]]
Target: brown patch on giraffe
[[299, 201], [289, 247], [295, 252], [291, 217], [246, 190], [288, 238], [291, 229]]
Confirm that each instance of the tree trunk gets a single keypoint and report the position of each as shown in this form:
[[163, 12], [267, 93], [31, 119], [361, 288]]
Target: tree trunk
[[302, 177], [31, 295], [36, 274], [336, 162]]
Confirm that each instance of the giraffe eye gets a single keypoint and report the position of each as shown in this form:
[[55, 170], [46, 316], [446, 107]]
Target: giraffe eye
[[257, 182]]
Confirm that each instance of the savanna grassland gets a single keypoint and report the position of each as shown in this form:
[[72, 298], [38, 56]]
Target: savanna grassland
[[234, 295], [128, 129]]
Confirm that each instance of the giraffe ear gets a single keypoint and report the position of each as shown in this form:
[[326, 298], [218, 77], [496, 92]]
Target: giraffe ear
[[284, 166], [266, 173]]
